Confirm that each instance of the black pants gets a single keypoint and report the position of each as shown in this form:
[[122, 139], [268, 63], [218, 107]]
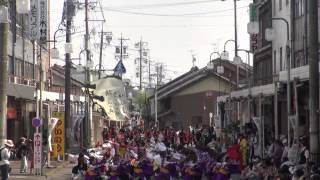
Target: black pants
[[4, 171]]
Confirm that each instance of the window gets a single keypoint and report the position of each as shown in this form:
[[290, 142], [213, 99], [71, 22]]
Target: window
[[280, 5], [28, 70], [274, 61], [299, 8], [280, 59], [10, 66], [18, 66]]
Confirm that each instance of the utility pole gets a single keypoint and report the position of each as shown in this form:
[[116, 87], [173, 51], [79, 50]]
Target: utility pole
[[149, 73], [156, 98], [314, 79], [3, 73], [235, 30], [101, 47], [88, 119], [68, 76], [140, 64]]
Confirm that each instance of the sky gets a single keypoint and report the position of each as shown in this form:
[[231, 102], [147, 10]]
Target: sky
[[174, 30]]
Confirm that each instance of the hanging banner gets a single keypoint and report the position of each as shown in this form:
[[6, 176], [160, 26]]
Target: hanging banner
[[34, 19], [253, 16], [58, 133], [43, 22], [52, 123]]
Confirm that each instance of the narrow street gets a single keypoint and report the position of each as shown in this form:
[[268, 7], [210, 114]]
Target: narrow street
[[160, 89]]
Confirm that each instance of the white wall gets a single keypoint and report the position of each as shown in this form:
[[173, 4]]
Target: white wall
[[280, 36]]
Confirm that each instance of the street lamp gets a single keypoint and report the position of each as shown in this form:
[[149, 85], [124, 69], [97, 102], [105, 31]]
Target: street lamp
[[270, 37], [4, 14], [237, 60], [219, 70], [210, 65], [54, 51], [225, 54]]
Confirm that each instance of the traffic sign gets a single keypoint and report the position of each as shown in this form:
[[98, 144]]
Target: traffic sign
[[37, 146], [120, 68], [36, 122]]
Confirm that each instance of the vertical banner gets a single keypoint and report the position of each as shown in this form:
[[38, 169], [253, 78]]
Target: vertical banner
[[253, 16], [43, 22], [58, 133], [34, 19]]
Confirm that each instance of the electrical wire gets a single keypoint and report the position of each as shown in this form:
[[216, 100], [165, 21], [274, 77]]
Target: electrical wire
[[169, 26], [161, 5], [172, 15]]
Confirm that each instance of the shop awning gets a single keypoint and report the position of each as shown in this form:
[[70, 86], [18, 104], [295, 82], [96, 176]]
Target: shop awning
[[266, 90]]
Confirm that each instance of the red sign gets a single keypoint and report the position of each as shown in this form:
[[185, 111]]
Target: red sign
[[11, 113]]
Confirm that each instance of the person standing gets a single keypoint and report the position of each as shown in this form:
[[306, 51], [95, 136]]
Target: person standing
[[23, 152], [244, 149], [4, 158]]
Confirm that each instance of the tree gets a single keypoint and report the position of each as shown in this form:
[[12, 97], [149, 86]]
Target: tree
[[142, 101]]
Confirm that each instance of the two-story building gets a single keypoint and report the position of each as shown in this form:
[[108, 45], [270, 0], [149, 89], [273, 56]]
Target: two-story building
[[23, 72], [190, 99]]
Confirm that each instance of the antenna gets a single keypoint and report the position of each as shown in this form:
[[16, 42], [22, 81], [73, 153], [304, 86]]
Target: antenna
[[193, 58]]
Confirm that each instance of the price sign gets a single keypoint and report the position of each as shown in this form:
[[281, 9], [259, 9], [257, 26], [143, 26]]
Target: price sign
[[37, 145]]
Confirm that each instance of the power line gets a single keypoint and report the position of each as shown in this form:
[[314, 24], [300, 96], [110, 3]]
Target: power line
[[145, 6], [162, 5], [171, 15], [168, 26]]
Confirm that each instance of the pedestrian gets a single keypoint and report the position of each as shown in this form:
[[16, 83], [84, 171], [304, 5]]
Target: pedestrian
[[81, 166], [303, 153], [22, 154], [285, 149], [31, 155], [293, 152], [244, 149], [277, 153], [4, 158]]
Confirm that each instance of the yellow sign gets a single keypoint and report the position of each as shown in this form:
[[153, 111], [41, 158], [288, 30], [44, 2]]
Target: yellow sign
[[58, 133]]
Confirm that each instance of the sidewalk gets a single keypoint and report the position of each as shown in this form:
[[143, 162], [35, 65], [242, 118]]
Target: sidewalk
[[58, 170]]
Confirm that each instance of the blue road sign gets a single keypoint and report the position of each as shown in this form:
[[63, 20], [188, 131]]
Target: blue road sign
[[36, 122], [120, 68]]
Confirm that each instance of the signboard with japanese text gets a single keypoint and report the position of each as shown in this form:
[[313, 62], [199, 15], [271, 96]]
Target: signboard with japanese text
[[58, 133], [43, 22], [34, 19], [37, 145], [254, 42]]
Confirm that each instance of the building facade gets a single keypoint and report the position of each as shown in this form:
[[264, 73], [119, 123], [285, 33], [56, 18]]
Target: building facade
[[269, 95]]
